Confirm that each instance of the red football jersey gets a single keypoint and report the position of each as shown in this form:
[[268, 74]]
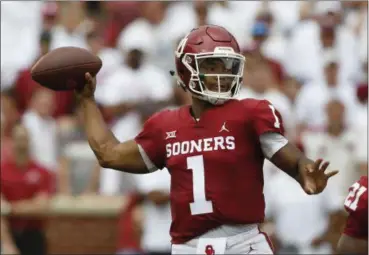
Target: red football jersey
[[216, 163], [356, 204]]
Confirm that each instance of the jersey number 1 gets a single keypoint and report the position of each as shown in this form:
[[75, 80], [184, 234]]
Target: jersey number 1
[[277, 124], [353, 197], [200, 205]]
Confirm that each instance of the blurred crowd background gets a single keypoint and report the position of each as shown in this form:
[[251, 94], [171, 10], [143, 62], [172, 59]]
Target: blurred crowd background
[[308, 58]]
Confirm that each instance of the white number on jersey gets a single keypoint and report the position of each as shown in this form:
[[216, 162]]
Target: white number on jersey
[[356, 191], [277, 124], [199, 205]]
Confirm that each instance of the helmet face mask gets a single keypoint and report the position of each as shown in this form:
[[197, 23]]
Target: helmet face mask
[[213, 75]]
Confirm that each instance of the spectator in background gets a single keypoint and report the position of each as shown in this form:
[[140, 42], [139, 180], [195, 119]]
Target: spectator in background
[[21, 23], [25, 86], [356, 19], [270, 37], [111, 57], [313, 36], [6, 143], [156, 214], [43, 128], [118, 15], [337, 143], [258, 49], [362, 96], [156, 30], [362, 121], [71, 30], [299, 219], [7, 243], [311, 101], [77, 161], [26, 186], [291, 88], [9, 116], [9, 112], [49, 14], [130, 227]]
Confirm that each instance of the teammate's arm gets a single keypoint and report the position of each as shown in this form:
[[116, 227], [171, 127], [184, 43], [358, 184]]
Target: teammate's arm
[[108, 150]]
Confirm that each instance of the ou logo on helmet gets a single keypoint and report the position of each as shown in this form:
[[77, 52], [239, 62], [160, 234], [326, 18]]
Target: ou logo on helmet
[[209, 250]]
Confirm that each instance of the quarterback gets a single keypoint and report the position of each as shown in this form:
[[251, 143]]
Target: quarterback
[[214, 150]]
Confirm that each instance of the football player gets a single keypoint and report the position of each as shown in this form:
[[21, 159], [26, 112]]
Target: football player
[[354, 239], [214, 149]]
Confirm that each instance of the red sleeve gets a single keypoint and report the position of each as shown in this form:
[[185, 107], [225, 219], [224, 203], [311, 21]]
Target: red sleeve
[[266, 118], [152, 142]]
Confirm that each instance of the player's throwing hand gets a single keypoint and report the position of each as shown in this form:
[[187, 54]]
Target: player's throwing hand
[[314, 178], [88, 89]]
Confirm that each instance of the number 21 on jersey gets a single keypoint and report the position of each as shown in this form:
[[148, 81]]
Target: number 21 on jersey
[[356, 191]]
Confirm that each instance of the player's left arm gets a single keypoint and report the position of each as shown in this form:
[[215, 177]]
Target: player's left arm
[[310, 174], [285, 155]]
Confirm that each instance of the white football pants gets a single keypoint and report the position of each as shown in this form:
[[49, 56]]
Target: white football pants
[[253, 241]]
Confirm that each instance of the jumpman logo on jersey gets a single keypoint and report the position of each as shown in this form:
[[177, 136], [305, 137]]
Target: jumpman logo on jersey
[[224, 128]]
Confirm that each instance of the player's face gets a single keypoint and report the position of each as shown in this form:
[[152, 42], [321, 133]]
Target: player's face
[[215, 71]]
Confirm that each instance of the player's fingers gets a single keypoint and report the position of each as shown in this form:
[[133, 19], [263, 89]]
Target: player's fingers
[[332, 173], [324, 166], [317, 163]]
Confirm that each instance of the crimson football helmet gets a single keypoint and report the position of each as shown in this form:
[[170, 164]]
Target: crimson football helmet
[[215, 49]]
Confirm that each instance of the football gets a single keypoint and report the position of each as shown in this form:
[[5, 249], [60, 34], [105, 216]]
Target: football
[[64, 68]]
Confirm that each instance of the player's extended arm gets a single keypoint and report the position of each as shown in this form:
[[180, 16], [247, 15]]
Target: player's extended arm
[[108, 150], [311, 175], [350, 245], [291, 160]]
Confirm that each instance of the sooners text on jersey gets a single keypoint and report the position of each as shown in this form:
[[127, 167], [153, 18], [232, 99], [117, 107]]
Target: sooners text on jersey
[[356, 204], [215, 163]]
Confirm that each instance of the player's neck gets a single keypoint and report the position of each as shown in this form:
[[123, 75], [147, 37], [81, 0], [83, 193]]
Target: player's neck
[[198, 107]]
